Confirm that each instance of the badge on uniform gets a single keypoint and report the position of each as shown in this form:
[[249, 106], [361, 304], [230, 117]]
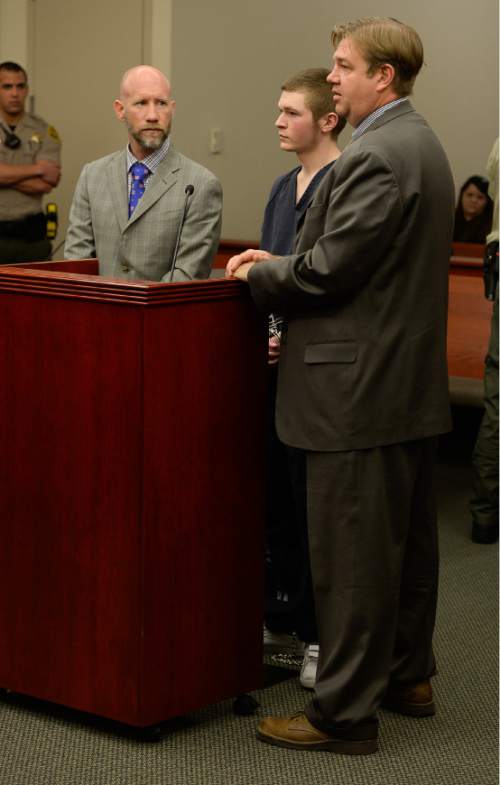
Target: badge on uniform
[[34, 143]]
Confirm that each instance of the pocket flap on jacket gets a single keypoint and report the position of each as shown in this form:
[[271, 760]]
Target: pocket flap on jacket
[[338, 352]]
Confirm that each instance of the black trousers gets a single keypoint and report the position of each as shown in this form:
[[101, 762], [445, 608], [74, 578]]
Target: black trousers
[[14, 250], [484, 505], [289, 602], [374, 555]]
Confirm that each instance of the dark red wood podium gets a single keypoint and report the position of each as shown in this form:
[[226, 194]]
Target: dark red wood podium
[[131, 491]]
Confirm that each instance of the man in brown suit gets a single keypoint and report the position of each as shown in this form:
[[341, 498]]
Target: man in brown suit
[[363, 390]]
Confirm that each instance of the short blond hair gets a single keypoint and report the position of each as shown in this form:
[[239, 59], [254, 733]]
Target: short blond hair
[[386, 40]]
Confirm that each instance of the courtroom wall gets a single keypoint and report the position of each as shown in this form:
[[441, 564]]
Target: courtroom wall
[[230, 58], [75, 53], [14, 37], [227, 61]]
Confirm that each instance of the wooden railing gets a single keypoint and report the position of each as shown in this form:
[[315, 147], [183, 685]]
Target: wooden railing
[[462, 254], [228, 248], [469, 324]]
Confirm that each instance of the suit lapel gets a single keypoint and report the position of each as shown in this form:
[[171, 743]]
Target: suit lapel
[[321, 197], [117, 181], [162, 180]]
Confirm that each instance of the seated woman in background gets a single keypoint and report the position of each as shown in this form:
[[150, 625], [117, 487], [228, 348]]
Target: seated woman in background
[[474, 211]]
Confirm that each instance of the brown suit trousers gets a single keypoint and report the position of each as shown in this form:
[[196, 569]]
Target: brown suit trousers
[[374, 557]]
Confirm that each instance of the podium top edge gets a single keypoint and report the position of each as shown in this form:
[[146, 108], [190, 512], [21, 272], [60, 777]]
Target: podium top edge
[[61, 283]]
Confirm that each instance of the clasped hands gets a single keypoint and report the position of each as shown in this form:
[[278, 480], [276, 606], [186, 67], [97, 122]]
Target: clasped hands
[[238, 266]]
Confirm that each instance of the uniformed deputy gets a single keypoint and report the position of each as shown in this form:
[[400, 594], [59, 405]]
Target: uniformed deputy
[[29, 168]]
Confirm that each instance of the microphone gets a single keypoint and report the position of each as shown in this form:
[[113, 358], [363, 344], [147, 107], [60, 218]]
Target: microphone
[[188, 190]]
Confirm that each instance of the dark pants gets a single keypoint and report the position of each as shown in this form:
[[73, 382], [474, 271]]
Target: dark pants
[[289, 603], [14, 250], [484, 505], [374, 555]]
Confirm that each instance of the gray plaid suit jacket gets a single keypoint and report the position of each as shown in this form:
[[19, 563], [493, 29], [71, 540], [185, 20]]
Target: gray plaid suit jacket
[[142, 247]]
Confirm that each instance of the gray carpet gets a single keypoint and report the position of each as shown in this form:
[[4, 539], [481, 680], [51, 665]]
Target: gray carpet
[[42, 746]]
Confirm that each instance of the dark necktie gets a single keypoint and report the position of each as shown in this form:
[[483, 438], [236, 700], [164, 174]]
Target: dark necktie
[[139, 172]]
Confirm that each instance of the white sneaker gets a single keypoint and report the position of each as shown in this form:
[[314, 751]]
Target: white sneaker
[[282, 643], [309, 666]]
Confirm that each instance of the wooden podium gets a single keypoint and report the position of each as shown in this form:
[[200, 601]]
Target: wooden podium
[[132, 430]]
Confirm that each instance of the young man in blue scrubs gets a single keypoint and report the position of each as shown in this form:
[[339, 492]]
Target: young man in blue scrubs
[[307, 126]]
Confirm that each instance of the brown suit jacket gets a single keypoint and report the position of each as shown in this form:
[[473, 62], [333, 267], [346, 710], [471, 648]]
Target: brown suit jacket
[[363, 360]]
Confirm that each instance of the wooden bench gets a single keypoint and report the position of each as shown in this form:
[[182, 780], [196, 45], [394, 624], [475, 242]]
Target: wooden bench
[[469, 324]]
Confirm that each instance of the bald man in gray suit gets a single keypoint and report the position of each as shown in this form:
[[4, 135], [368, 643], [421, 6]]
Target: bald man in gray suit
[[130, 218]]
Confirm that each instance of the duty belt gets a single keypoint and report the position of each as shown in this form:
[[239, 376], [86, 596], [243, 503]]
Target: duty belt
[[30, 228]]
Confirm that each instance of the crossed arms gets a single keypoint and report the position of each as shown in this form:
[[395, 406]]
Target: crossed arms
[[38, 178]]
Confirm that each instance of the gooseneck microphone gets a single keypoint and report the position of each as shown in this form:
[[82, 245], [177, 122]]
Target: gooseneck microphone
[[188, 190]]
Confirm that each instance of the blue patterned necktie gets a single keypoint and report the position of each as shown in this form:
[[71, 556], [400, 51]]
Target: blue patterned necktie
[[139, 172]]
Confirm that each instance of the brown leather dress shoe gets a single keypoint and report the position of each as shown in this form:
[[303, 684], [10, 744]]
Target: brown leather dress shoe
[[297, 733], [413, 700]]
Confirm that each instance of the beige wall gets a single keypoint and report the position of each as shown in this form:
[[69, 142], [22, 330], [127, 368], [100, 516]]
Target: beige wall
[[227, 60], [230, 59], [14, 33], [75, 80]]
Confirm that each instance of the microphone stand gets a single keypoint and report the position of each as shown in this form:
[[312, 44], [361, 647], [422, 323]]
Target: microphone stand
[[189, 192]]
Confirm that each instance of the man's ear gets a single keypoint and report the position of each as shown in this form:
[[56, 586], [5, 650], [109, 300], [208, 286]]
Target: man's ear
[[328, 122], [119, 109], [385, 76]]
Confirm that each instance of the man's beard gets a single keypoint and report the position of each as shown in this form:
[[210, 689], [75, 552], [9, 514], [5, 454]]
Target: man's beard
[[150, 142]]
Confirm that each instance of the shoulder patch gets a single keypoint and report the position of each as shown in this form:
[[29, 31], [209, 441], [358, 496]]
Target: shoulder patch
[[53, 133]]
